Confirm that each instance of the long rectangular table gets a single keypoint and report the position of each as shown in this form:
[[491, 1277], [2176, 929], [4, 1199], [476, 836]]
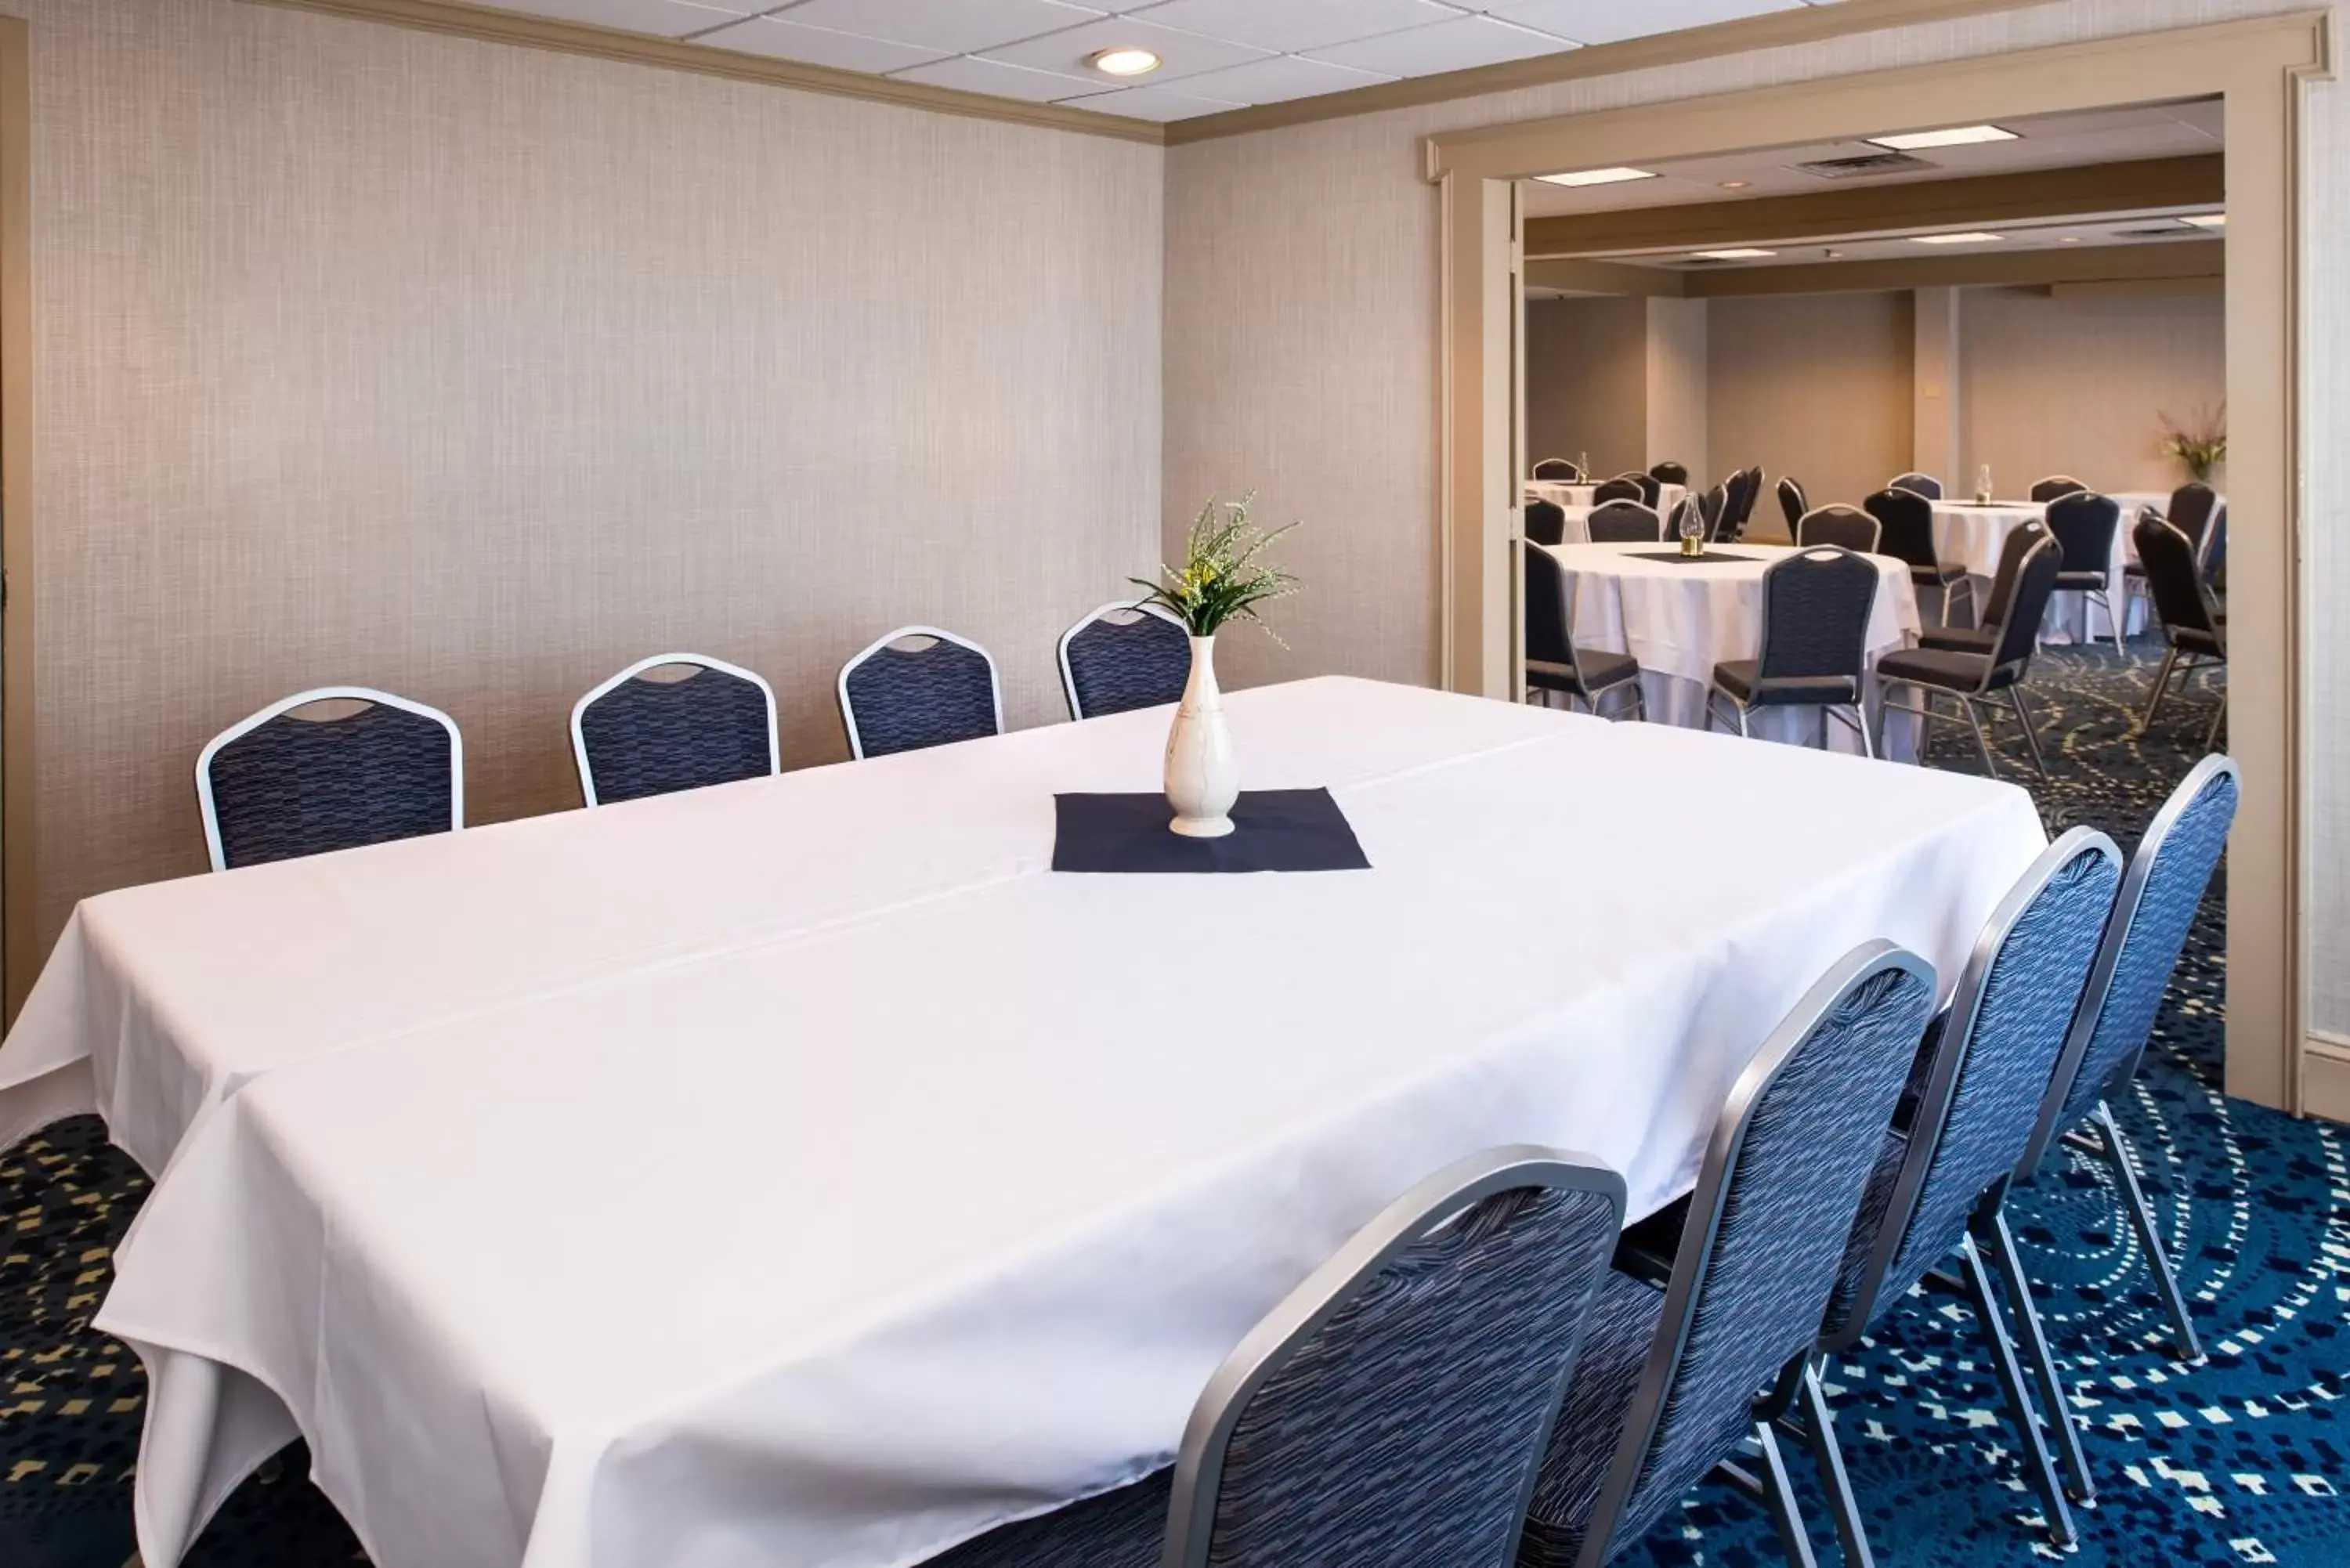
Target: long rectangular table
[[800, 1171]]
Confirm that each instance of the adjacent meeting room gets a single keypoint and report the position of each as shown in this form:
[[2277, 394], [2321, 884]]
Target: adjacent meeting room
[[1172, 783]]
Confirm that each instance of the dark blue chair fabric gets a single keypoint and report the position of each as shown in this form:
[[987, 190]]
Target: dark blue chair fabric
[[1115, 668], [654, 737], [291, 786], [1401, 1430], [1788, 1203], [2030, 991], [2182, 869], [906, 699]]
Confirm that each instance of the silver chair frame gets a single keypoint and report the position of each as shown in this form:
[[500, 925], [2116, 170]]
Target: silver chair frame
[[1061, 648], [2108, 1145], [1876, 538], [210, 808], [848, 709], [1774, 1486], [1403, 1224], [1969, 702], [700, 660], [1898, 483], [1857, 721]]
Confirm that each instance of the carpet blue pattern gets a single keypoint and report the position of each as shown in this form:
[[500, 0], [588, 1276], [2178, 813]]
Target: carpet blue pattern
[[2240, 1460]]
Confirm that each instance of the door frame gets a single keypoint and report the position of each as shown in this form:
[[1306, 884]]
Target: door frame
[[19, 958], [2261, 67]]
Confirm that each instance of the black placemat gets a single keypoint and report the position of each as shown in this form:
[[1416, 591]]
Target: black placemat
[[1273, 830], [1678, 558]]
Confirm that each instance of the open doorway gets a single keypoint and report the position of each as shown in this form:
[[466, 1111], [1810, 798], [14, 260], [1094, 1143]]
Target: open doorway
[[2251, 74]]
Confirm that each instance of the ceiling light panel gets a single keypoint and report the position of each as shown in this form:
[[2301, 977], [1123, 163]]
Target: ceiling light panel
[[1741, 254], [1582, 177], [1956, 136], [1965, 239]]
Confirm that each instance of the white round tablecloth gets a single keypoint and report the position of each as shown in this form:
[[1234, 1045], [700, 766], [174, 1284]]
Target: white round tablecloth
[[1975, 534], [1679, 621], [1570, 496]]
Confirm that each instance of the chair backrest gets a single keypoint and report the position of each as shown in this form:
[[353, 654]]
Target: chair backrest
[[1793, 502], [1838, 524], [1998, 1050], [1745, 489], [2084, 523], [1624, 523], [2054, 485], [279, 784], [2019, 632], [2160, 895], [1550, 628], [2191, 508], [1558, 468], [941, 689], [2215, 546], [1917, 483], [1123, 656], [1546, 523], [633, 736], [2011, 551], [2182, 601], [1620, 488], [1652, 490], [1416, 1376], [1670, 473], [1716, 504], [1905, 518], [1815, 609], [1775, 1198]]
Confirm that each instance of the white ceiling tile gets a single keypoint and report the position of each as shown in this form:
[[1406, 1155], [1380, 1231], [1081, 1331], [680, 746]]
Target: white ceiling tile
[[666, 18], [1185, 54], [1606, 21], [1279, 79], [950, 26], [1291, 25], [995, 77], [816, 46], [1446, 46], [1150, 103]]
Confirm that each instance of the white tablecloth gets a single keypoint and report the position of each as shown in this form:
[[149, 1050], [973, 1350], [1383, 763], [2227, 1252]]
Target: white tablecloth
[[1975, 534], [926, 1209], [1574, 496], [1679, 621]]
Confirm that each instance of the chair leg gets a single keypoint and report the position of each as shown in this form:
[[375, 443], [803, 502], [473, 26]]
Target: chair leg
[[1780, 1491], [1983, 743], [2161, 683], [2117, 1154], [1819, 1436], [2219, 715], [2030, 731], [2053, 1399], [2042, 1472]]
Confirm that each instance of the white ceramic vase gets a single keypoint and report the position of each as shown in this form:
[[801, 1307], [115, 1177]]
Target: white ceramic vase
[[1204, 776]]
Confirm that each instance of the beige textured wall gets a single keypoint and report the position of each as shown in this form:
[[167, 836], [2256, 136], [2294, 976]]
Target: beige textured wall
[[474, 372], [1587, 381], [2077, 385], [1679, 357], [1817, 386]]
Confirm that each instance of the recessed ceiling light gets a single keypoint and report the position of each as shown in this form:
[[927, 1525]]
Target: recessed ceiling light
[[1832, 254], [1736, 184], [1739, 254], [1123, 62], [2208, 220], [1956, 136], [2068, 239], [1597, 177], [1967, 239]]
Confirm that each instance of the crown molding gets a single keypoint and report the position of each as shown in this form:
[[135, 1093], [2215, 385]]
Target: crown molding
[[1775, 29], [458, 19]]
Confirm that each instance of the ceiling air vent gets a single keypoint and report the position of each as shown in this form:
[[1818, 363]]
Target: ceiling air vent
[[2167, 231], [1863, 166]]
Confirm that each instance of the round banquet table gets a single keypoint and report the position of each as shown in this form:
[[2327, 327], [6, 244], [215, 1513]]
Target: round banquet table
[[1680, 620], [1965, 530], [1570, 496]]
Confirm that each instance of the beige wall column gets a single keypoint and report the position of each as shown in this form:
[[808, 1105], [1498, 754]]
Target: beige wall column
[[1676, 393], [1937, 443]]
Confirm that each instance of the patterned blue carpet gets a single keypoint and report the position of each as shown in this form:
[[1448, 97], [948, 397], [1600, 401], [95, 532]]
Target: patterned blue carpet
[[2234, 1461]]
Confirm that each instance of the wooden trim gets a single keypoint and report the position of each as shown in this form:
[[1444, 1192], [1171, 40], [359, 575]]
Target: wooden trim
[[2163, 266], [20, 958], [2326, 1067], [465, 21], [1980, 201], [2261, 67], [1773, 30], [1606, 278]]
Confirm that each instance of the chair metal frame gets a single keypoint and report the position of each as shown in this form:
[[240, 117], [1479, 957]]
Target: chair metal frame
[[1970, 704], [848, 708], [2196, 659], [1575, 475], [1693, 1262], [1902, 481], [701, 661], [2046, 481], [1802, 503], [2108, 1145], [1837, 509], [1858, 719], [210, 807], [1945, 591], [1620, 503], [1061, 648], [1986, 1231], [1590, 696], [2104, 596], [1405, 1224]]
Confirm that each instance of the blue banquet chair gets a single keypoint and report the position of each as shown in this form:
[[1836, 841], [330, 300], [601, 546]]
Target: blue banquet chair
[[633, 736], [284, 783], [1122, 657], [919, 686]]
